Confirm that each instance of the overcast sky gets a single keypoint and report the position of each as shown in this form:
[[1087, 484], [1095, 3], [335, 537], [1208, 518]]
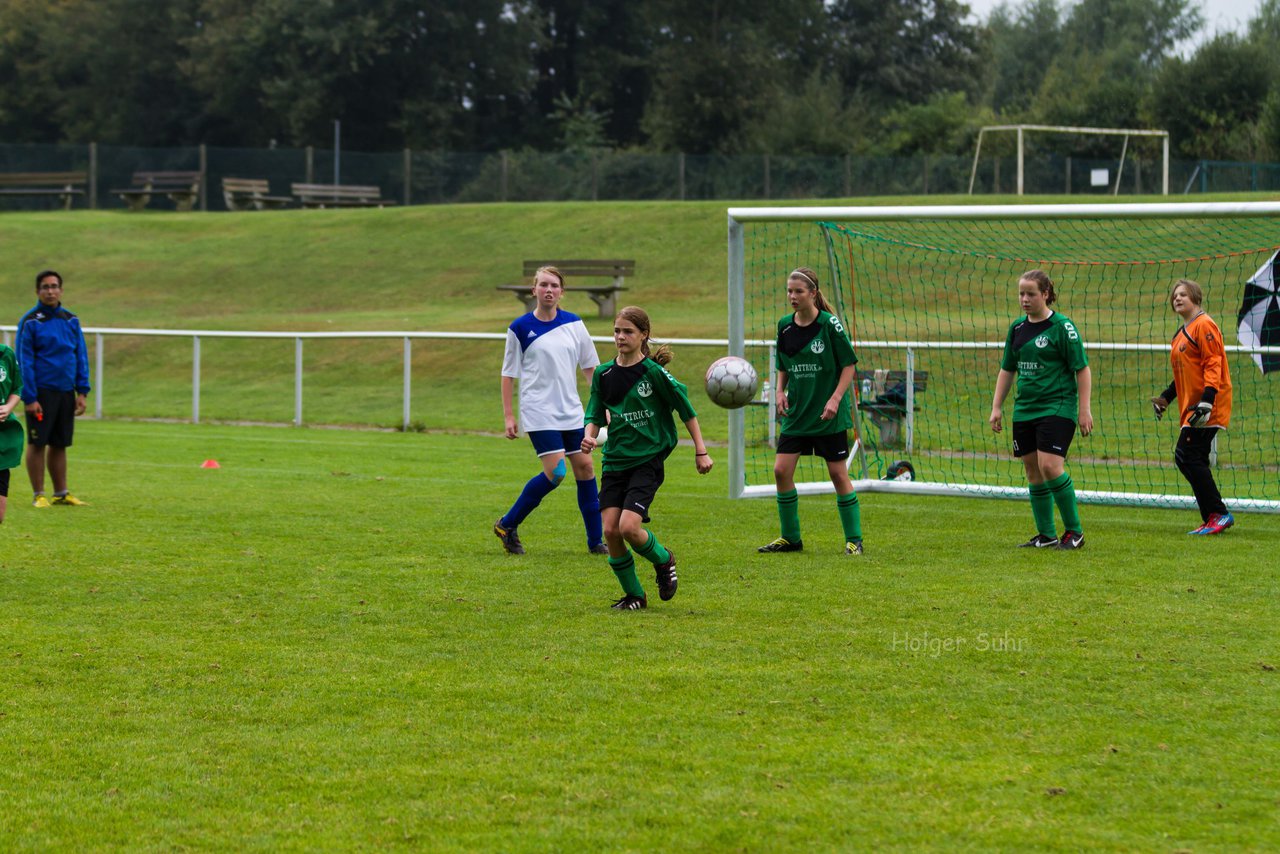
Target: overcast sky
[[1219, 15]]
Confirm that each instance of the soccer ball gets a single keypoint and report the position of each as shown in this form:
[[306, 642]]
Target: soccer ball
[[732, 382]]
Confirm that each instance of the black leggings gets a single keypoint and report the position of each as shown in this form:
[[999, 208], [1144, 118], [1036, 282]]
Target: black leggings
[[1192, 458]]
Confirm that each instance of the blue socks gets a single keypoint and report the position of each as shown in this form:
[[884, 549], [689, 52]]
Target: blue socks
[[539, 488], [589, 504], [534, 491]]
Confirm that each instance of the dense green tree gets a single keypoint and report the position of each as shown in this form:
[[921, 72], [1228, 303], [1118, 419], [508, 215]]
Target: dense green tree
[[1213, 103], [444, 73], [908, 50], [720, 66], [1022, 43], [105, 70]]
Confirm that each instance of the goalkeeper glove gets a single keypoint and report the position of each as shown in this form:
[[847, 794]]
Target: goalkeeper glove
[[1200, 414], [1159, 404]]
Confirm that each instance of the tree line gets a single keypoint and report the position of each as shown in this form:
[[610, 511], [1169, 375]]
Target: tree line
[[823, 77]]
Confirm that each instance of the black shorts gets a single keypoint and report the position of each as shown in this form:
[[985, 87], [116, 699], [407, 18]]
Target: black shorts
[[632, 489], [1051, 434], [833, 447], [57, 423], [4, 483]]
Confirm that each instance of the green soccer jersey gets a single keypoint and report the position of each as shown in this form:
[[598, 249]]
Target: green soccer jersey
[[812, 357], [11, 432], [1045, 356], [639, 399]]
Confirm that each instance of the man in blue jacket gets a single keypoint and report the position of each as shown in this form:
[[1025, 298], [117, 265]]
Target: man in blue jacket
[[55, 383]]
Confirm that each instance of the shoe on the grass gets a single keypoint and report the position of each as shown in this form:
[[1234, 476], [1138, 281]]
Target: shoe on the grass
[[631, 603], [68, 500], [598, 549], [40, 502], [782, 544], [1218, 522], [1071, 540], [666, 574], [1039, 541], [510, 539], [853, 547]]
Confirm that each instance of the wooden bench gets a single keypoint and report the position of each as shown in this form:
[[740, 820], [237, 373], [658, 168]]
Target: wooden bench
[[65, 185], [251, 194], [181, 188], [340, 196], [885, 402], [604, 295]]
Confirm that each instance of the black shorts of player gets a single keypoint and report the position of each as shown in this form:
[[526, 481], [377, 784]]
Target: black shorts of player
[[833, 447], [57, 423], [634, 488], [4, 483], [1051, 434]]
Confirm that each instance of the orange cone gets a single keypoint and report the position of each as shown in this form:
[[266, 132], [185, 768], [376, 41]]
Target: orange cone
[[210, 464]]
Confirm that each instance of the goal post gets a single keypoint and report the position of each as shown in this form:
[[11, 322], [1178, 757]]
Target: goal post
[[927, 293], [1020, 132]]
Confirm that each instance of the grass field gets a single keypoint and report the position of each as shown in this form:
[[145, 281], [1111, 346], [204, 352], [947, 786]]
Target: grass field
[[320, 645]]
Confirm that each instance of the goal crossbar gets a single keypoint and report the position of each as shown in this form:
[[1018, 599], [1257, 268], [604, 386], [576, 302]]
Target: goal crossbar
[[1085, 131]]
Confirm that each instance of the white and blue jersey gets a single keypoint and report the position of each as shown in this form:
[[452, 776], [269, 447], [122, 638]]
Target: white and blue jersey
[[545, 356]]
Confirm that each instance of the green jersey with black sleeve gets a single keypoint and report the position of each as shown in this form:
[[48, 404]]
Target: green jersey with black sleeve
[[1045, 355], [812, 357], [11, 432], [639, 400]]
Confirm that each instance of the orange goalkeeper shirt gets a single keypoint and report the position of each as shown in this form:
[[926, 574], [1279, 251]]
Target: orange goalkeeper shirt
[[1199, 361]]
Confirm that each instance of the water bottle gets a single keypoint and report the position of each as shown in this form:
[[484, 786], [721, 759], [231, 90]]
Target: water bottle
[[866, 388], [764, 392]]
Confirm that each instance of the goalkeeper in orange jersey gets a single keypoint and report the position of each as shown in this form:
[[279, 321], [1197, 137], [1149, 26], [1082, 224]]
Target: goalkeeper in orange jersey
[[1202, 387]]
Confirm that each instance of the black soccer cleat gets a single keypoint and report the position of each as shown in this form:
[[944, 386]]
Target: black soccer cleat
[[631, 603], [782, 544], [1039, 541], [598, 549], [510, 539], [666, 574], [1072, 540]]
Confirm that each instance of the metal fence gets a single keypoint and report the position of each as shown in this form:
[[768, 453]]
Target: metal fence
[[432, 177]]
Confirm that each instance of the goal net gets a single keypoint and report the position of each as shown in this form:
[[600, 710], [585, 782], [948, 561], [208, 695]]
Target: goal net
[[927, 294]]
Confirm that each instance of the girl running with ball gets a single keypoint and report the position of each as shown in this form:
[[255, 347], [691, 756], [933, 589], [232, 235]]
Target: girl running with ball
[[635, 395]]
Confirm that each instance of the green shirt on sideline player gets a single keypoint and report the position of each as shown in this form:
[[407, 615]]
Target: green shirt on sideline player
[[1046, 356], [640, 424], [812, 357], [11, 432]]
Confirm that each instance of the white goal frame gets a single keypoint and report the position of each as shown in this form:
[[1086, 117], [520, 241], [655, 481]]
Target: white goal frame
[[738, 343], [1085, 131]]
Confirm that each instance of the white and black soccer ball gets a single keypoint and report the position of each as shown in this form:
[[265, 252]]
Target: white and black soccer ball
[[732, 382]]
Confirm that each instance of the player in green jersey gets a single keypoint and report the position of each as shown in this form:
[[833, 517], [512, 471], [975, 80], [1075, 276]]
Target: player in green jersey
[[815, 367], [11, 432], [635, 396], [1044, 352]]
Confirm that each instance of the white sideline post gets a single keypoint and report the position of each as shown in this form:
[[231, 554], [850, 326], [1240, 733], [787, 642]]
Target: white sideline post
[[408, 362], [195, 379], [97, 373], [297, 382]]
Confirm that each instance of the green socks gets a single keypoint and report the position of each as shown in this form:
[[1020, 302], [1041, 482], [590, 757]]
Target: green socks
[[850, 517], [653, 551], [1064, 494], [625, 568], [1042, 510], [789, 515]]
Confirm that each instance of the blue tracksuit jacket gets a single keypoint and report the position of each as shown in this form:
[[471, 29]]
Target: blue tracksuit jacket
[[51, 352]]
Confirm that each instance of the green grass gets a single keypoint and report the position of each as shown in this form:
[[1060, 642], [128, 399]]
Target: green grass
[[320, 645]]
